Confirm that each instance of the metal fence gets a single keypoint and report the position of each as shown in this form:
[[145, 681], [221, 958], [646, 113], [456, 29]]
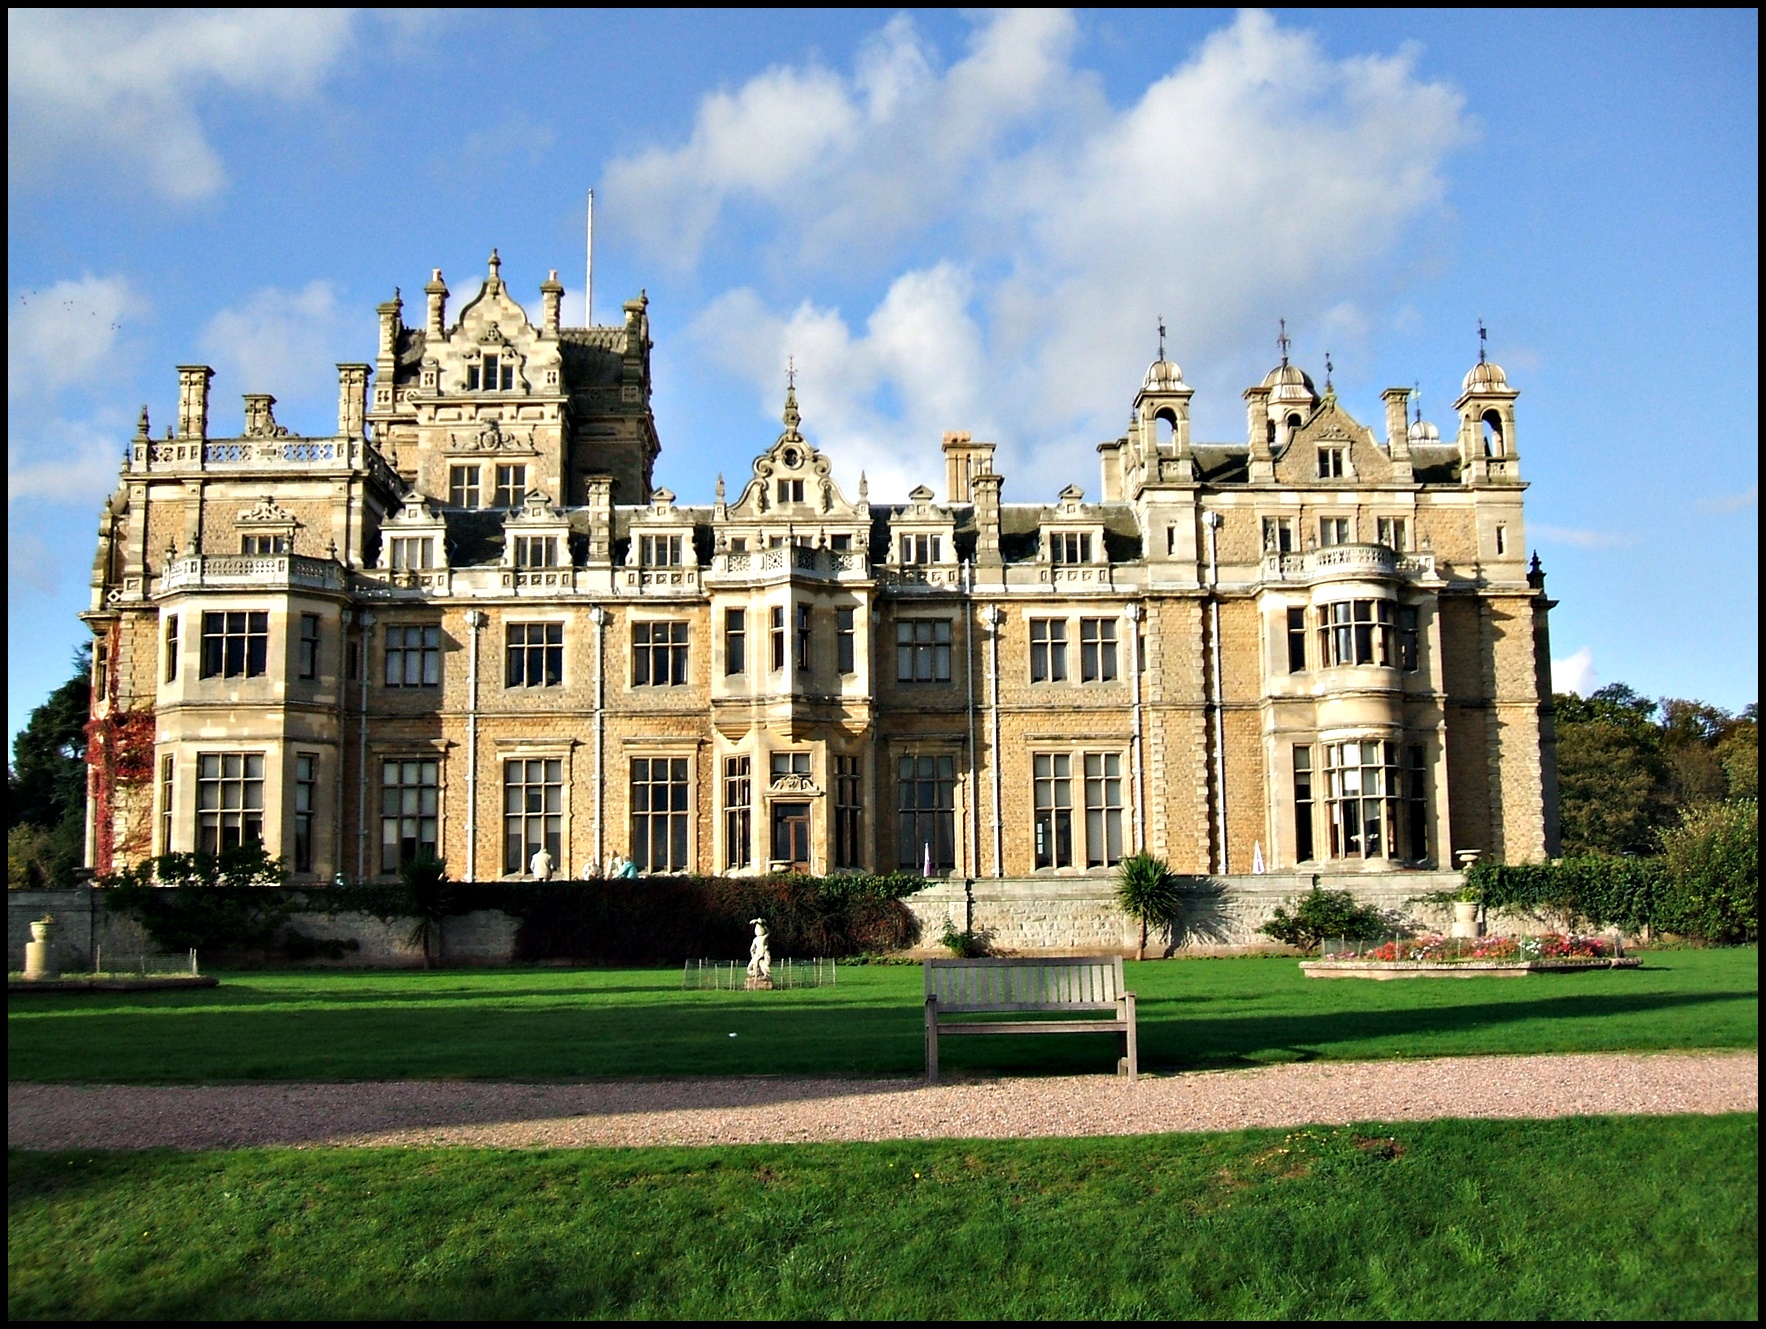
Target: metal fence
[[144, 964], [732, 975]]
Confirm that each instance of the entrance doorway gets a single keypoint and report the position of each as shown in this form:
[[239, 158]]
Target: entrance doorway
[[791, 835]]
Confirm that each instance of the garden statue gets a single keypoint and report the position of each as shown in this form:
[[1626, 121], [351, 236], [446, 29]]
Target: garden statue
[[540, 866], [760, 959]]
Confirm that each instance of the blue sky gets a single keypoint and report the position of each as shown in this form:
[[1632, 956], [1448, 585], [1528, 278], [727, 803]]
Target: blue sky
[[952, 221]]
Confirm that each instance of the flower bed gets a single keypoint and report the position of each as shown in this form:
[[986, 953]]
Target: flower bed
[[1466, 957]]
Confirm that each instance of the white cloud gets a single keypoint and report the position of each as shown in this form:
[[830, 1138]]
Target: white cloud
[[1580, 537], [1746, 501], [125, 84], [66, 334], [71, 462], [918, 364], [1260, 177], [280, 342], [1575, 674]]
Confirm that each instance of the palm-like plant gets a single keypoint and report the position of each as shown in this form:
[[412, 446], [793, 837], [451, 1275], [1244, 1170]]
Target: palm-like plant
[[428, 899], [1148, 893]]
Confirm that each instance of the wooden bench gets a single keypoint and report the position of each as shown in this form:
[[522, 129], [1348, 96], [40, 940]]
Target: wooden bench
[[1055, 985]]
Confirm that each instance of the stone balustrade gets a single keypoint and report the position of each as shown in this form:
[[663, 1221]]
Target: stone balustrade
[[796, 560], [233, 455], [1351, 561], [253, 571]]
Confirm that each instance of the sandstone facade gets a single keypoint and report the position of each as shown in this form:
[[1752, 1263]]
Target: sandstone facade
[[468, 624]]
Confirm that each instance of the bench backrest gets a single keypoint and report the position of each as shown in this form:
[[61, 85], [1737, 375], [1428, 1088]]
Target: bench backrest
[[1076, 983]]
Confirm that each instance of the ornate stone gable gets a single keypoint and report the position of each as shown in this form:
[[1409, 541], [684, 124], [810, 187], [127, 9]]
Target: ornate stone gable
[[793, 481], [1332, 428]]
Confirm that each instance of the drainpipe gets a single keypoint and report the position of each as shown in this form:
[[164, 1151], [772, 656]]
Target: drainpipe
[[1140, 794], [367, 621], [343, 696], [993, 614], [475, 619], [974, 835], [598, 616], [1212, 521]]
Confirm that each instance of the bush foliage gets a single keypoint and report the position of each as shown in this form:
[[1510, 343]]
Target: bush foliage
[[1320, 915], [622, 920], [1705, 886]]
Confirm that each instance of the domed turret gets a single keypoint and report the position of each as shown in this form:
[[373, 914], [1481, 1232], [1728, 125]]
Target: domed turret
[[1162, 376], [1485, 376], [1421, 431], [1289, 384]]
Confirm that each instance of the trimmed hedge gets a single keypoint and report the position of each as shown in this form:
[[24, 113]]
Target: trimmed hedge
[[630, 920], [1589, 890]]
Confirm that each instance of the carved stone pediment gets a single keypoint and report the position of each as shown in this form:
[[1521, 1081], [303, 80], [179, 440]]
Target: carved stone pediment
[[267, 512], [793, 784], [490, 437]]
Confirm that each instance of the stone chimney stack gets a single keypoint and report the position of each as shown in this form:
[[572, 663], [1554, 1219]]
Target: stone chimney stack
[[1257, 434], [964, 459], [986, 492], [1397, 418], [193, 383], [352, 400], [551, 297], [437, 291]]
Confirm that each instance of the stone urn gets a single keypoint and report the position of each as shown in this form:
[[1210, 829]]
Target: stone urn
[[1465, 919], [40, 950]]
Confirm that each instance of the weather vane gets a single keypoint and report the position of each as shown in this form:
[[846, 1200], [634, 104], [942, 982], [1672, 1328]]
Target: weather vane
[[1161, 336], [791, 371], [1482, 335], [1283, 342], [1328, 368], [1417, 387]]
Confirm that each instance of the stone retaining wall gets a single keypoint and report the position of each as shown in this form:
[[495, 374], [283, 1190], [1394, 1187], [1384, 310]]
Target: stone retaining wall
[[1023, 916]]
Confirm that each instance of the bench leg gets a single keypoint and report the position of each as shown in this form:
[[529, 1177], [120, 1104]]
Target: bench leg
[[1130, 1063], [932, 1041]]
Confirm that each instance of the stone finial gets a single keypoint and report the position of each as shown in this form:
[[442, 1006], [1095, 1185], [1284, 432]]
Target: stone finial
[[141, 429]]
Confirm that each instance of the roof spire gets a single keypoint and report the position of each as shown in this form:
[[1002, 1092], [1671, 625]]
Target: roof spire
[[1161, 336], [1284, 342], [496, 263], [1482, 337]]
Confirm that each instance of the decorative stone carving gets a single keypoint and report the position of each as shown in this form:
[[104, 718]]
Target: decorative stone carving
[[794, 784], [267, 512]]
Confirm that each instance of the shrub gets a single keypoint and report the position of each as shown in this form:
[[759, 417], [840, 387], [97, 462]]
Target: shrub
[[1713, 873], [428, 899], [1148, 893], [1321, 914]]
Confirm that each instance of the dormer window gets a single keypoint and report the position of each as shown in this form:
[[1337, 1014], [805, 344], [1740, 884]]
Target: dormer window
[[841, 542], [1330, 463], [261, 546], [496, 374], [1070, 547], [659, 551], [411, 553], [790, 491], [536, 551], [1393, 533], [922, 549]]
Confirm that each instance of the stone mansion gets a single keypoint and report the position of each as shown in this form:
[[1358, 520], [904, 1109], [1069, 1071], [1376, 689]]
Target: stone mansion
[[468, 625]]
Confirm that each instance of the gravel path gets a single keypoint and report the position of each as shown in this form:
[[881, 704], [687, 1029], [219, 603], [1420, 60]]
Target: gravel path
[[762, 1110]]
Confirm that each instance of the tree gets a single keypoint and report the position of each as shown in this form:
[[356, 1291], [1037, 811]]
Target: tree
[[46, 785], [1613, 782], [1148, 893]]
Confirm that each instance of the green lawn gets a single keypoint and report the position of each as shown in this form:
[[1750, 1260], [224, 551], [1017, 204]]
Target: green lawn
[[548, 1023], [1585, 1218]]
